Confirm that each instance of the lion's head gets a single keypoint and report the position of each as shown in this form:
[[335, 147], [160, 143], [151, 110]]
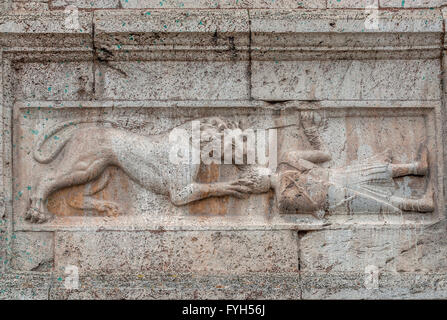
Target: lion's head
[[212, 135]]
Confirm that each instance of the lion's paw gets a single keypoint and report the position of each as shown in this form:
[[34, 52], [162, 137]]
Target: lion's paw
[[36, 216], [111, 209]]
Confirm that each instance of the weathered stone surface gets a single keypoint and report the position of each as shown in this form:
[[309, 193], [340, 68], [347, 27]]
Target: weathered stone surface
[[204, 252], [106, 4], [25, 286], [5, 5], [412, 3], [192, 4], [173, 35], [346, 80], [352, 3], [258, 4], [351, 285], [344, 21], [54, 81], [400, 250], [24, 6], [226, 21], [182, 286], [385, 3], [176, 80], [32, 251], [3, 257], [29, 30]]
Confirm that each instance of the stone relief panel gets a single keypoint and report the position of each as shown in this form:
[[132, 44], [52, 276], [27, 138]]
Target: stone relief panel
[[270, 164]]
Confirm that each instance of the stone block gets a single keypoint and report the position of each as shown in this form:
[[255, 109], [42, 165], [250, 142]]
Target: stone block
[[181, 286], [351, 285], [385, 3], [232, 252], [86, 4], [343, 21], [32, 251], [192, 4], [3, 244], [346, 80], [353, 250], [46, 29], [29, 6], [54, 81], [175, 80], [24, 286], [411, 3], [173, 35], [350, 4]]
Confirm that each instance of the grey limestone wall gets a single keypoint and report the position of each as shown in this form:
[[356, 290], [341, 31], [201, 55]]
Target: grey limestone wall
[[354, 91]]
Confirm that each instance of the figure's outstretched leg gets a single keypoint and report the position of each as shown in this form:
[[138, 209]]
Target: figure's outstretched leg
[[418, 168], [425, 204]]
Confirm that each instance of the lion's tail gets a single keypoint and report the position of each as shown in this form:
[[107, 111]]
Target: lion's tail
[[42, 158]]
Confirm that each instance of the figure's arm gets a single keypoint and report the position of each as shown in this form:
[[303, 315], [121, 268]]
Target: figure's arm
[[314, 156], [197, 191], [311, 122]]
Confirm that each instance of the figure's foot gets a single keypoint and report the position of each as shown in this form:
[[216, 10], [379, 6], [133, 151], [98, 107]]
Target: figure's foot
[[425, 204], [421, 167], [35, 215], [110, 209]]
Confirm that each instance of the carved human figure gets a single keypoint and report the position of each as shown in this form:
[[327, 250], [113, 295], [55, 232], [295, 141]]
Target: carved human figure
[[89, 150], [302, 185]]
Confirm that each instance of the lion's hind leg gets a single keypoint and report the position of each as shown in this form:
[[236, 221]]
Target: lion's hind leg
[[88, 202], [71, 171], [103, 207]]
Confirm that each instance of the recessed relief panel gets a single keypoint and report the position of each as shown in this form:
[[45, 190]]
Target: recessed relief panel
[[283, 165]]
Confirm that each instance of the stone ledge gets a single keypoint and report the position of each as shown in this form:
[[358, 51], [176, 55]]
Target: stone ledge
[[225, 32], [45, 29], [288, 35], [293, 286], [228, 32], [351, 285], [241, 4]]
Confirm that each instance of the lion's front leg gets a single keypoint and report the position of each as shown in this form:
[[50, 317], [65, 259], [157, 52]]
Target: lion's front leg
[[37, 212], [198, 191]]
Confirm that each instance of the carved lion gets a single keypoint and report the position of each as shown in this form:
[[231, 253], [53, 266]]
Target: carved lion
[[89, 150]]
